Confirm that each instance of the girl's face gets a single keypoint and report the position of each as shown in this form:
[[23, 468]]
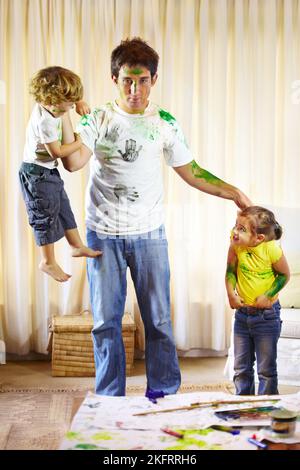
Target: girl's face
[[242, 234]]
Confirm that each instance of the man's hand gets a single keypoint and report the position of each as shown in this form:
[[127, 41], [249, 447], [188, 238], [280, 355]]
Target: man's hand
[[241, 200], [235, 301], [82, 108], [263, 302]]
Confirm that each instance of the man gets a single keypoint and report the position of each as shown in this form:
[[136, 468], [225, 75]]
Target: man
[[125, 216]]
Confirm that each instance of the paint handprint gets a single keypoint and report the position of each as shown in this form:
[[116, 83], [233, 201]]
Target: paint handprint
[[130, 154], [113, 134], [121, 190]]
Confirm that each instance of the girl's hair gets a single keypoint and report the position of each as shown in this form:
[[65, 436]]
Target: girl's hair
[[134, 52], [262, 221], [54, 85]]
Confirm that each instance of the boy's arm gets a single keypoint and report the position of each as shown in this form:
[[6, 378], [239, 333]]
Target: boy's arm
[[82, 108], [282, 277], [208, 183], [79, 158], [235, 300], [58, 150]]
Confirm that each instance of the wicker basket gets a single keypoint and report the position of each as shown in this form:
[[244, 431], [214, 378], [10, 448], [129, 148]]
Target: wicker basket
[[72, 345]]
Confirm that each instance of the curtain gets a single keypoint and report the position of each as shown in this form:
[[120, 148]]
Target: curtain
[[229, 71]]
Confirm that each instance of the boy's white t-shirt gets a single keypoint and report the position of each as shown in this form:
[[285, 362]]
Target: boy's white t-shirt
[[42, 128], [125, 189]]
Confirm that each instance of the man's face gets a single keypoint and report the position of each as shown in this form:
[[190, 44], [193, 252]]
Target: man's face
[[134, 86]]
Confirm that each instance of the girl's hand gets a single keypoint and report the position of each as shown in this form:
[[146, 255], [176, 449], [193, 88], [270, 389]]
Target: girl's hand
[[82, 108], [263, 302], [235, 301]]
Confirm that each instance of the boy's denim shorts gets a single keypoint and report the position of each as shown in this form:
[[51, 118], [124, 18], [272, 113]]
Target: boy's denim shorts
[[47, 203]]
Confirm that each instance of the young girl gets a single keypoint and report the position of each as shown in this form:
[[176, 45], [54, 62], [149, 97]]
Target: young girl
[[55, 90], [256, 271]]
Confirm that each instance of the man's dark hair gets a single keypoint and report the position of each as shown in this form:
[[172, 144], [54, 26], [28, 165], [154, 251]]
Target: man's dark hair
[[133, 52]]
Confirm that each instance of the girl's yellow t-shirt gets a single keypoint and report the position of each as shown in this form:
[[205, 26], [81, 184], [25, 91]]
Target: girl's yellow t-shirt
[[255, 274]]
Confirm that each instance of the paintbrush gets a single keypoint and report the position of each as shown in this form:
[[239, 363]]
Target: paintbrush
[[192, 406]]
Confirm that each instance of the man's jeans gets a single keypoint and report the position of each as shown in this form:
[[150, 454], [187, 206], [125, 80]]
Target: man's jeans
[[146, 256], [256, 333]]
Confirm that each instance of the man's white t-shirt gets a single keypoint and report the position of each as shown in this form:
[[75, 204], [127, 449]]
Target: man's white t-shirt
[[125, 189], [42, 129]]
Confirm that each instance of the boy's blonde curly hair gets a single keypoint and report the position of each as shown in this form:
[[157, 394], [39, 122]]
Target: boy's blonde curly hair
[[55, 85]]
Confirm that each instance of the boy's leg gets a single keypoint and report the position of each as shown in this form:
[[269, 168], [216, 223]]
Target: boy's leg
[[149, 266], [49, 265], [107, 283], [78, 248], [40, 189], [243, 355], [266, 338]]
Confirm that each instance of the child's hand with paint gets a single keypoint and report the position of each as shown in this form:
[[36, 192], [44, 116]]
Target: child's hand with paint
[[82, 108], [235, 301]]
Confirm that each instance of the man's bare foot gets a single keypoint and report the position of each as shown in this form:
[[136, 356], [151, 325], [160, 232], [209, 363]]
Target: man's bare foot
[[85, 251], [54, 271]]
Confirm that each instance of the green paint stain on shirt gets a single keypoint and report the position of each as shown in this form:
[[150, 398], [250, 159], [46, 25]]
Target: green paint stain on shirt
[[85, 120], [146, 129], [167, 116]]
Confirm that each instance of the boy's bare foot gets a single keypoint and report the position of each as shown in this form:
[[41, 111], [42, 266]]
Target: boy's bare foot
[[54, 271], [85, 251]]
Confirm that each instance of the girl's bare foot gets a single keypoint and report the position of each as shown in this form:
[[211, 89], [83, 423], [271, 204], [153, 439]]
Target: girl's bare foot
[[54, 271], [85, 251]]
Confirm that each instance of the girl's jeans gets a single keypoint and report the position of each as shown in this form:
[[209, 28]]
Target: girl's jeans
[[256, 333]]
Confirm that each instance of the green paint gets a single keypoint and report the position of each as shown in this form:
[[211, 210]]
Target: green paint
[[167, 117], [101, 436], [73, 435], [231, 274], [249, 274], [135, 71], [205, 175], [59, 130], [277, 285], [85, 120], [188, 441], [199, 432], [88, 447], [147, 130], [172, 121]]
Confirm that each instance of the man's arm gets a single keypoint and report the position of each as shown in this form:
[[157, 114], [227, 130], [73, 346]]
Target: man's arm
[[208, 183], [235, 300], [77, 159]]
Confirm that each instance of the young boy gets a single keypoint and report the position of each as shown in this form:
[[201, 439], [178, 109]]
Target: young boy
[[55, 90]]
